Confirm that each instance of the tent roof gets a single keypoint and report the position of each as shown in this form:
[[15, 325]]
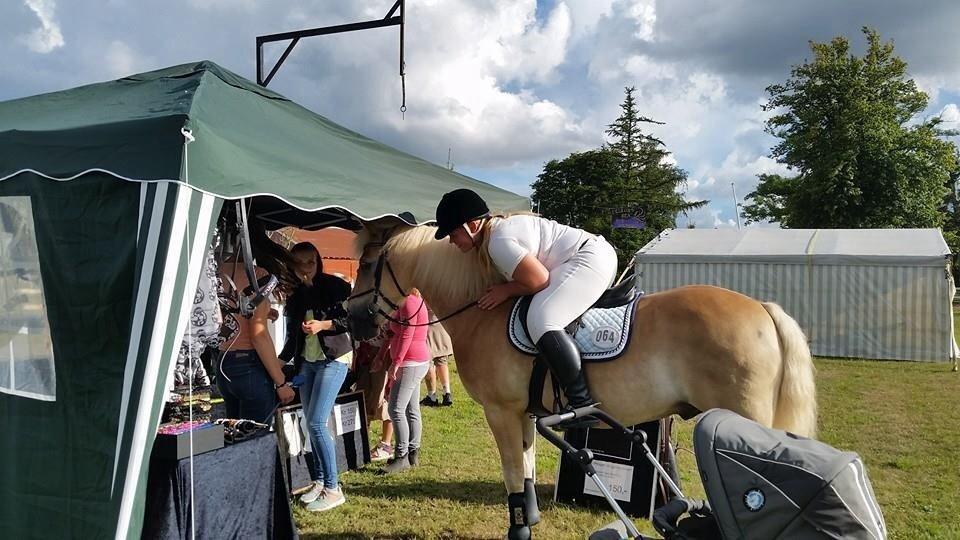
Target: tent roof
[[828, 246], [248, 141]]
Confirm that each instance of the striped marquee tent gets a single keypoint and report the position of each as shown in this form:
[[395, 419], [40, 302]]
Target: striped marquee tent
[[109, 194], [858, 293]]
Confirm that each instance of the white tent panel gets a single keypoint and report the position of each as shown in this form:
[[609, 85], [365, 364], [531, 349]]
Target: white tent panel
[[872, 293]]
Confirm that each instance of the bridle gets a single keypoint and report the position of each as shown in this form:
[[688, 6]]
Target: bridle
[[375, 308]]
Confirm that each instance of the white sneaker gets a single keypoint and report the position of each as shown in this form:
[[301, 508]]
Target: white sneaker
[[328, 499], [312, 495], [381, 453]]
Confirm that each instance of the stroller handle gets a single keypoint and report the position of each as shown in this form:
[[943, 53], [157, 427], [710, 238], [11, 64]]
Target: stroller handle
[[665, 518]]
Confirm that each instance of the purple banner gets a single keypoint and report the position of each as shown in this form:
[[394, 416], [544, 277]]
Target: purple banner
[[629, 222]]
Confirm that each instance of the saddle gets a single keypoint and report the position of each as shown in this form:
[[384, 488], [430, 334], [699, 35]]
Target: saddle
[[602, 334]]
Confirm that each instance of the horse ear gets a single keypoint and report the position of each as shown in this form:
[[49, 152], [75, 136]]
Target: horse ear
[[382, 228]]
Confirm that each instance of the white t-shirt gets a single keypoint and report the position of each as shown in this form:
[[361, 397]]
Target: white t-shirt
[[512, 238]]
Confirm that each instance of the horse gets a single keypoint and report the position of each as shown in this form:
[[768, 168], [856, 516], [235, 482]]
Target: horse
[[693, 348]]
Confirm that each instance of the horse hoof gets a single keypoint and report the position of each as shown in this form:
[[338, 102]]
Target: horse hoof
[[518, 532]]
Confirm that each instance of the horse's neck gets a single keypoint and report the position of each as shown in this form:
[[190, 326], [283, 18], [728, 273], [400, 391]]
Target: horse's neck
[[448, 280], [462, 327]]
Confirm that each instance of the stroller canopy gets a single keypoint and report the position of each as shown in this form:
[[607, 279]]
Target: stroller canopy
[[765, 483]]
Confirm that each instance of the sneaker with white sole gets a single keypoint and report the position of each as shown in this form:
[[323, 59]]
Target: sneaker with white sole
[[382, 452], [328, 499], [312, 495]]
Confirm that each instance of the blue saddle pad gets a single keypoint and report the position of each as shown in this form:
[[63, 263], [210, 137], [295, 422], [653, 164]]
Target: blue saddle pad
[[601, 334]]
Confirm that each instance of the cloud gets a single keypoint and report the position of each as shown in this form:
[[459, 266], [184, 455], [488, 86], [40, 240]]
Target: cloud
[[644, 12], [585, 14], [738, 170], [950, 113], [215, 5], [475, 74], [505, 84], [47, 37], [121, 60], [522, 50]]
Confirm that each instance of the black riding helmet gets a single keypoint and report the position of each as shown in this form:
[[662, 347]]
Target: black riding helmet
[[458, 207]]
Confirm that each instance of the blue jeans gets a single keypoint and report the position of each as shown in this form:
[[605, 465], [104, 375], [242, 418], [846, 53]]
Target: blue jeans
[[246, 387], [321, 382]]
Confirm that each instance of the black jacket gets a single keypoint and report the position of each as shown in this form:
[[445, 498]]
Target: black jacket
[[325, 297]]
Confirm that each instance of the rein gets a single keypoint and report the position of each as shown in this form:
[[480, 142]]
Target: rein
[[378, 295]]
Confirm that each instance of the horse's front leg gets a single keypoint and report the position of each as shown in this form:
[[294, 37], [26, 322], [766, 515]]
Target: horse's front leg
[[508, 430], [530, 470]]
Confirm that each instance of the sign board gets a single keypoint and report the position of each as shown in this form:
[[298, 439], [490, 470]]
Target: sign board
[[346, 417], [348, 421], [629, 218], [620, 465], [618, 479]]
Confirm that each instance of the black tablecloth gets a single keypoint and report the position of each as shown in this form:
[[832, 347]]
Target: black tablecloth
[[239, 493]]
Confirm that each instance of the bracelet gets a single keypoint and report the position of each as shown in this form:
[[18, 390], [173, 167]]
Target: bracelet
[[279, 386]]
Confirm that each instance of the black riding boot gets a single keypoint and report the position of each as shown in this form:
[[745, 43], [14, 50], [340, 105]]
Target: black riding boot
[[563, 357]]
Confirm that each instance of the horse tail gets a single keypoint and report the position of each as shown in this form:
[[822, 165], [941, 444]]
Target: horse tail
[[796, 407]]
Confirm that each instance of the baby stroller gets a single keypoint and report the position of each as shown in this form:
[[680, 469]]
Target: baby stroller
[[767, 484]]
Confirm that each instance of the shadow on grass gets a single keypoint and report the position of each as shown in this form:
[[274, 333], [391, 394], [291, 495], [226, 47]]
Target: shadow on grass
[[346, 536], [467, 491], [445, 535]]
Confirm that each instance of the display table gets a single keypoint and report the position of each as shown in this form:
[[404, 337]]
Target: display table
[[238, 492]]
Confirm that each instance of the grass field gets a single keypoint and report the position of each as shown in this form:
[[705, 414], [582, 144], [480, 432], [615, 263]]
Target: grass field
[[899, 416]]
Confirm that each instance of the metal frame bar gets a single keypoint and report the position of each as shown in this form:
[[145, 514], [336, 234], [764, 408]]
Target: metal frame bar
[[327, 218], [584, 457], [391, 19]]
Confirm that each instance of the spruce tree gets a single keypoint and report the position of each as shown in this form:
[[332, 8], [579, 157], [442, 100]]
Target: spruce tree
[[629, 174]]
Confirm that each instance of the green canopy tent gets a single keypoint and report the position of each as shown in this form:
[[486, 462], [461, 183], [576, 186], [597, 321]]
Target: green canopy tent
[[109, 195]]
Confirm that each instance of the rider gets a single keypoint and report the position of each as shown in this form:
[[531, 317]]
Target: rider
[[564, 268]]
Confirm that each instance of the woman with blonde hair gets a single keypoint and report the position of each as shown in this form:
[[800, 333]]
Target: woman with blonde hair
[[410, 357], [565, 269]]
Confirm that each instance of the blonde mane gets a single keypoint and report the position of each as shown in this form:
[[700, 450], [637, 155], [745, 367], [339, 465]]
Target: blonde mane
[[438, 267]]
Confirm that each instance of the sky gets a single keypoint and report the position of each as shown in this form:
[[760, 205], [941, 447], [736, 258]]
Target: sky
[[502, 86]]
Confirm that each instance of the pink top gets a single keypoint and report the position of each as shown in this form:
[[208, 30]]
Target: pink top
[[408, 345]]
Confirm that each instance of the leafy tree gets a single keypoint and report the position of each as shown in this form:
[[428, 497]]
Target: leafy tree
[[586, 189], [846, 127], [951, 221]]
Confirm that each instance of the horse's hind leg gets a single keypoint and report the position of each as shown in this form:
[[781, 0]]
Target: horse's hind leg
[[508, 430]]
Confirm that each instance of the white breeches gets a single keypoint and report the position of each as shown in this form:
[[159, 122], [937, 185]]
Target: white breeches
[[574, 286]]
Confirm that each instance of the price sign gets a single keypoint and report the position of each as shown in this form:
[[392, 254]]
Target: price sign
[[617, 477], [347, 417]]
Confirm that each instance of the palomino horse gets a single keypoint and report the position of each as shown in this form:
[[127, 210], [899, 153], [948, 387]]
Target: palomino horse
[[693, 348]]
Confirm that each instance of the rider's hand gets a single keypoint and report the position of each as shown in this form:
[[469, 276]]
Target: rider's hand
[[314, 327], [494, 296]]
